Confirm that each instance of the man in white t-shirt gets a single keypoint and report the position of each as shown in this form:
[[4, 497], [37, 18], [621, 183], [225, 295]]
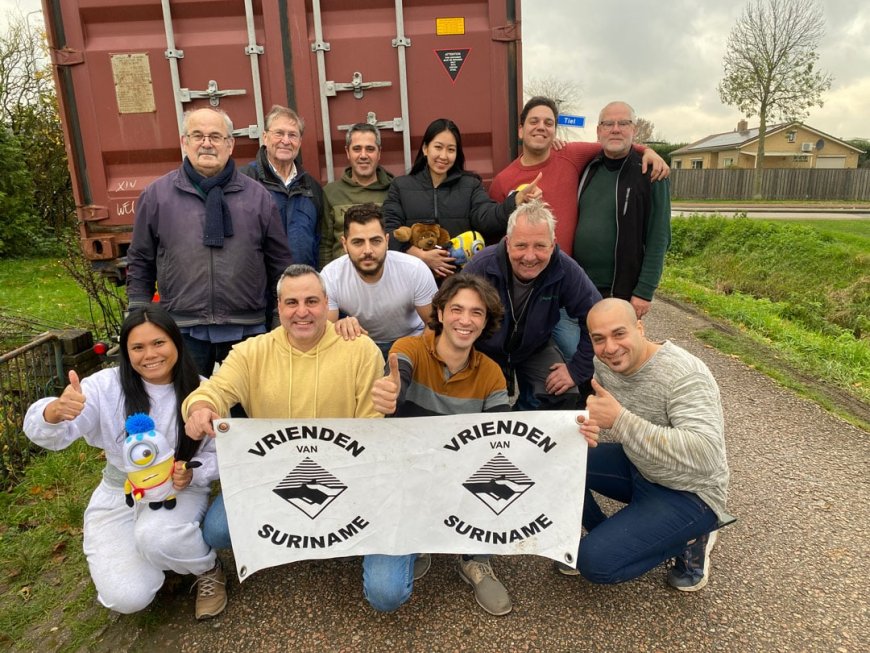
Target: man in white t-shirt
[[383, 294]]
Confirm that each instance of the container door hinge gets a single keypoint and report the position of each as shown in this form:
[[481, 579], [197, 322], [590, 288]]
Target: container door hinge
[[67, 57], [212, 93], [508, 33], [357, 85]]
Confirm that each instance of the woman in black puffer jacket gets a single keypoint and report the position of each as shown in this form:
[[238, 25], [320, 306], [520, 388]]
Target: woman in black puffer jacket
[[438, 189]]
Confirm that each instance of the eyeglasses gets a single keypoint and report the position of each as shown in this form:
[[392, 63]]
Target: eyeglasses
[[198, 137], [609, 124], [281, 135]]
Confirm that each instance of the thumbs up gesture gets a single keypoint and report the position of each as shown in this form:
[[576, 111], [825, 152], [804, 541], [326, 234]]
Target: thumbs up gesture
[[530, 191], [602, 406], [385, 391], [69, 405]]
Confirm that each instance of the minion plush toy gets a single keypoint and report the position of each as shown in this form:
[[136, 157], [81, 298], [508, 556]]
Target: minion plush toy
[[148, 461], [464, 246]]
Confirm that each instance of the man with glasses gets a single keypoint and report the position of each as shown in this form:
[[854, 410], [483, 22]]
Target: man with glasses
[[363, 181], [624, 224], [297, 194], [211, 240]]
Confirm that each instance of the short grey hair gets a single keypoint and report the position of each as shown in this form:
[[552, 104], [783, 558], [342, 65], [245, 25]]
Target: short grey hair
[[362, 128], [631, 110], [277, 111], [535, 212], [299, 270], [223, 114]]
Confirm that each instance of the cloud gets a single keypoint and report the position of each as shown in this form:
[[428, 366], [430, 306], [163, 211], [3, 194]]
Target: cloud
[[666, 60]]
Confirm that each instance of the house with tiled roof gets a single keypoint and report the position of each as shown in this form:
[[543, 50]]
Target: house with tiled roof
[[786, 145]]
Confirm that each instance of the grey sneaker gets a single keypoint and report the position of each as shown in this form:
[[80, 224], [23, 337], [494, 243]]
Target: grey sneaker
[[421, 565], [565, 570], [691, 570], [211, 592], [488, 590]]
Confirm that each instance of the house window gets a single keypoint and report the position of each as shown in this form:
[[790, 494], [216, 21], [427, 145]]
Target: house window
[[791, 137], [697, 164], [678, 163], [728, 162]]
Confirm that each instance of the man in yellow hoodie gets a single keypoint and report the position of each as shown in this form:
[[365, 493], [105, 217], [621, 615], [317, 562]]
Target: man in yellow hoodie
[[302, 369]]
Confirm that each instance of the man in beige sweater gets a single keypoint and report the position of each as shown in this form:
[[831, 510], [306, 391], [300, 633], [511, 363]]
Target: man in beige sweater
[[302, 369]]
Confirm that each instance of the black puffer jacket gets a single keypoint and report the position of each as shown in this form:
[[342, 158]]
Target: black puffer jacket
[[459, 204]]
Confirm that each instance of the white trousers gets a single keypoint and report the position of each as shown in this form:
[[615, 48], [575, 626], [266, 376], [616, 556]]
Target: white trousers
[[128, 549]]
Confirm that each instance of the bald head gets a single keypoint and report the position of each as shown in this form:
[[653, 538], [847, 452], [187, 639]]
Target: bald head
[[618, 307], [618, 336]]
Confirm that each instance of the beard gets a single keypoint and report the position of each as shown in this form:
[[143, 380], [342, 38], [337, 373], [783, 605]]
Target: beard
[[368, 271]]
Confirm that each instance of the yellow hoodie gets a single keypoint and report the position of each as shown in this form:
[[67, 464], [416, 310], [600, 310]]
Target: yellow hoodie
[[270, 379]]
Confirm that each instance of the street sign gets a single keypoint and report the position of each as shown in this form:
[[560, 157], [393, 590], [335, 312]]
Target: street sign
[[572, 121]]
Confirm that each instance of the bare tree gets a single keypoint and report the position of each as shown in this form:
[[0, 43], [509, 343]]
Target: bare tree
[[643, 130], [566, 93], [770, 65], [25, 78]]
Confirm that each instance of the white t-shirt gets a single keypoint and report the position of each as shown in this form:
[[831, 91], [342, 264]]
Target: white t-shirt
[[386, 309]]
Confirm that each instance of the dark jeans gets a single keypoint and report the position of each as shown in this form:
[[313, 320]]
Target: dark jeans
[[656, 524], [532, 376], [206, 354]]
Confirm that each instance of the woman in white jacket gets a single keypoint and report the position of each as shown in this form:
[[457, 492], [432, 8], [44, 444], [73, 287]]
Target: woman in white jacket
[[129, 548]]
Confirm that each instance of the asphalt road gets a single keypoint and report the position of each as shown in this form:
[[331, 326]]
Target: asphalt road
[[790, 575], [775, 212]]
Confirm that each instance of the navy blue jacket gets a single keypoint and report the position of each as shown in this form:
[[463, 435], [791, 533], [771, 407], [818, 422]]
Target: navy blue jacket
[[562, 284], [300, 205]]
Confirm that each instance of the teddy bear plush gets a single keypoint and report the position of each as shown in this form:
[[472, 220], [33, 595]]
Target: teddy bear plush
[[424, 235], [428, 236]]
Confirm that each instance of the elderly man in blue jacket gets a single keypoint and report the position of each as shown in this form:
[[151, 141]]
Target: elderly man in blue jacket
[[535, 280], [296, 193]]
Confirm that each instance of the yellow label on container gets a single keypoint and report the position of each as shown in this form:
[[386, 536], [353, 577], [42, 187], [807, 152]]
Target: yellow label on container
[[449, 26]]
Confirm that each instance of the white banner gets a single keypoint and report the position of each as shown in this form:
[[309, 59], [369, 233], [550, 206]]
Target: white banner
[[503, 483]]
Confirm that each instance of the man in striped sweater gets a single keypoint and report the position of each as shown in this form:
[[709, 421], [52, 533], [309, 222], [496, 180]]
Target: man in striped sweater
[[659, 407], [441, 373]]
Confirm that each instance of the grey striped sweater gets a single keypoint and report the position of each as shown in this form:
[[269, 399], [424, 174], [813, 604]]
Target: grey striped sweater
[[671, 425]]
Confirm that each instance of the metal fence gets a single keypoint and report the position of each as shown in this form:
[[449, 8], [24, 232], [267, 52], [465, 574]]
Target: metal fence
[[28, 373], [777, 184]]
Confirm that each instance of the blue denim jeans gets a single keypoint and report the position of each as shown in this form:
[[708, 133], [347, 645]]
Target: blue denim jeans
[[566, 334], [654, 526], [215, 529], [388, 580]]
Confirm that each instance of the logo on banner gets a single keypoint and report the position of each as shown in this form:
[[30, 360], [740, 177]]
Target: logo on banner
[[498, 483], [309, 488]]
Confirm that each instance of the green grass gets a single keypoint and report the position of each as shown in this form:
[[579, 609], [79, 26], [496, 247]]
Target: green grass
[[45, 582], [42, 289], [802, 290]]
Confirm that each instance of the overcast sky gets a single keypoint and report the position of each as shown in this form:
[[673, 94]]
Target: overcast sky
[[665, 58]]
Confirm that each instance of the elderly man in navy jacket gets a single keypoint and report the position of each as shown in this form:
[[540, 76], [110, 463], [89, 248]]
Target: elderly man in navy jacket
[[535, 280]]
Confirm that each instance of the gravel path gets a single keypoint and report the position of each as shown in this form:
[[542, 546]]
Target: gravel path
[[790, 575]]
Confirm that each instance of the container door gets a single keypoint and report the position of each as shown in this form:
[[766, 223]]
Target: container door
[[458, 61], [127, 70]]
